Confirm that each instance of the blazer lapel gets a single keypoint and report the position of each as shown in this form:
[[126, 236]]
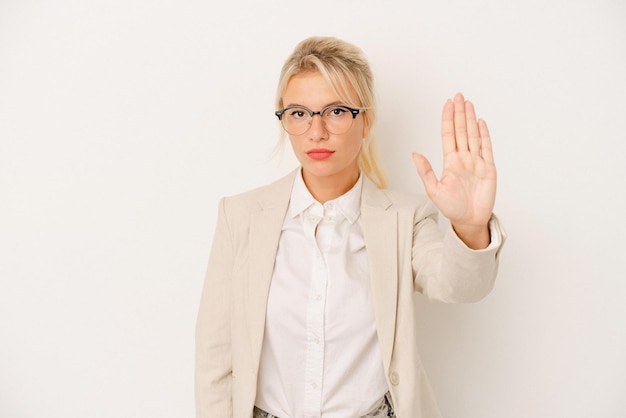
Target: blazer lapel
[[380, 230], [265, 229]]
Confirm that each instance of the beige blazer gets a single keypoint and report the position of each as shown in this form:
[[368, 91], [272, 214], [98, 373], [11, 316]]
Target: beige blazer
[[406, 253]]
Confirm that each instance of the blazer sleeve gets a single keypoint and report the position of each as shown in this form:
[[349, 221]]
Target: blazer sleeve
[[444, 268], [213, 366]]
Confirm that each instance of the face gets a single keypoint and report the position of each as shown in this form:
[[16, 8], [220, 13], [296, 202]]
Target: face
[[323, 156]]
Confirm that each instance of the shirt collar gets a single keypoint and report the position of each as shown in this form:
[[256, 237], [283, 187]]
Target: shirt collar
[[348, 204]]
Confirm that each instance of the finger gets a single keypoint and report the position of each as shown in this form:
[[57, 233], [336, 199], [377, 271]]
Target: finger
[[460, 129], [473, 135], [447, 128], [485, 146], [426, 173]]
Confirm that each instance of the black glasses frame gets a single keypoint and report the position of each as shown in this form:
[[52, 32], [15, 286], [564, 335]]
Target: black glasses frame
[[354, 112]]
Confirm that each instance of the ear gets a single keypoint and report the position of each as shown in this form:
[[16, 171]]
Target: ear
[[366, 128]]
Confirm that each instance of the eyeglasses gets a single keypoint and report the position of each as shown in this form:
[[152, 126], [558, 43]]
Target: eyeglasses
[[337, 119]]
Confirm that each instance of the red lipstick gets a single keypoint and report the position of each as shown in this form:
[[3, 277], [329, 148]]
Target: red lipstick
[[319, 153]]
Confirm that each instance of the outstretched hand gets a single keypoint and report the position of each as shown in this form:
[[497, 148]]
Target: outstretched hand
[[466, 191]]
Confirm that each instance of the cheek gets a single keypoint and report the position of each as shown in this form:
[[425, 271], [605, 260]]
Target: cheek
[[355, 140], [353, 146], [296, 147]]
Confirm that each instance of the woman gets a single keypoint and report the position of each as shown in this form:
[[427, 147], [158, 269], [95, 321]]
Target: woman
[[308, 304]]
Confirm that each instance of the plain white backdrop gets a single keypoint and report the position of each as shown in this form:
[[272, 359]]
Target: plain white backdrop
[[122, 122]]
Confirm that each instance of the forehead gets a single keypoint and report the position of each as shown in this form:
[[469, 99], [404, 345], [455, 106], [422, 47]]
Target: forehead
[[311, 89]]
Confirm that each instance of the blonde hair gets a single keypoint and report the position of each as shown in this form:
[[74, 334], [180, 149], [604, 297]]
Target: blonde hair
[[345, 68]]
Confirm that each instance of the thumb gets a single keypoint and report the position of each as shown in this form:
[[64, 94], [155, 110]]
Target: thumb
[[425, 171]]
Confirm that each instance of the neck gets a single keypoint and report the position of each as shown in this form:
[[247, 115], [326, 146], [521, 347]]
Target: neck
[[328, 188]]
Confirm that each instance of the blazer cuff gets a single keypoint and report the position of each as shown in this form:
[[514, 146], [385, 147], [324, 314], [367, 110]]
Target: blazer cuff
[[496, 232]]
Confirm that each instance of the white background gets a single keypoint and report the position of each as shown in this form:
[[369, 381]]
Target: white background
[[123, 122]]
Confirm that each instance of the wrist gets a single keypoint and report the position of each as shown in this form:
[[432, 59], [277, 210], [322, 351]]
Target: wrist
[[476, 237]]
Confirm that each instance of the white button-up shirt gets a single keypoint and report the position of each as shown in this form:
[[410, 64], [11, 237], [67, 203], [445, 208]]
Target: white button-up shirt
[[320, 355]]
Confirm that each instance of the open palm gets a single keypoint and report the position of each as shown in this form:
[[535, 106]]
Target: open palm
[[465, 193]]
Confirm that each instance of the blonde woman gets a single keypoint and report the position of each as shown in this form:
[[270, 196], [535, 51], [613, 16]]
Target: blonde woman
[[308, 303]]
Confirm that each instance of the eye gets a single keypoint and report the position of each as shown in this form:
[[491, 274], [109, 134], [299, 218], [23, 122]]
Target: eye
[[297, 113], [336, 112]]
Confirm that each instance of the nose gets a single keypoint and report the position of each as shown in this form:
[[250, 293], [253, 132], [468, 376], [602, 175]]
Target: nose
[[317, 131]]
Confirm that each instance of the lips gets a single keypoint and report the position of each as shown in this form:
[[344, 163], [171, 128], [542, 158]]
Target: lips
[[319, 153]]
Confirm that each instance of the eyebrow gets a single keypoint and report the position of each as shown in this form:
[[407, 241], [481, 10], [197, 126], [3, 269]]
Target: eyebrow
[[337, 102]]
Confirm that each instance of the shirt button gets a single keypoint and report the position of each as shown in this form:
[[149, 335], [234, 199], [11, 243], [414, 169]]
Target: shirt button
[[393, 378], [318, 297], [314, 385]]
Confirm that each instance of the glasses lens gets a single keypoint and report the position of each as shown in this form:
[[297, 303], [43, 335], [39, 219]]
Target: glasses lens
[[338, 119], [296, 120]]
